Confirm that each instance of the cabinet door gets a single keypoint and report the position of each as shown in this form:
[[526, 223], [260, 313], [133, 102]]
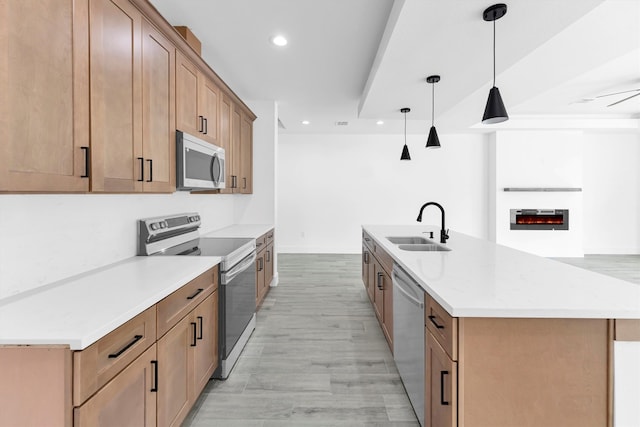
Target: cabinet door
[[260, 277], [173, 372], [268, 270], [224, 140], [44, 95], [387, 316], [246, 155], [205, 354], [187, 119], [371, 284], [378, 291], [441, 404], [366, 259], [116, 125], [127, 400], [208, 109], [236, 119], [158, 111]]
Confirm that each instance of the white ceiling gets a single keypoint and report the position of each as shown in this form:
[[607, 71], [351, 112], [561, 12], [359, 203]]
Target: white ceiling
[[362, 60]]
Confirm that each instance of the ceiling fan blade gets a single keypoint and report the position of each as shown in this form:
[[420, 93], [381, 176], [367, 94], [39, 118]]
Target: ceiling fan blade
[[617, 93], [625, 99]]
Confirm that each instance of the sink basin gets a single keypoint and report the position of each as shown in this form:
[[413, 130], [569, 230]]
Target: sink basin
[[431, 247], [409, 240]]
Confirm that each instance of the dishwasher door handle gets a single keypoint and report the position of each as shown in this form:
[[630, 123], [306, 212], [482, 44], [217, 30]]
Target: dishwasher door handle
[[398, 285]]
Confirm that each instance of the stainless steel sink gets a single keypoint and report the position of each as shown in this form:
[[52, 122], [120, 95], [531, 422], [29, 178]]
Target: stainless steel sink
[[431, 247], [409, 240]]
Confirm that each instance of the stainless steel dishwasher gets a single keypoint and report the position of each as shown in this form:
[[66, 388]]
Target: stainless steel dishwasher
[[408, 337]]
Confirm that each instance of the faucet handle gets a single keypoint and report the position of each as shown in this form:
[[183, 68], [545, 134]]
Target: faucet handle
[[445, 235]]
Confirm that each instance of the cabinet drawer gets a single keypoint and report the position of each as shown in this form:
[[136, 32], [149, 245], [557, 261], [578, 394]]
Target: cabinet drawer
[[627, 330], [96, 365], [181, 302], [368, 241], [261, 242], [443, 327], [383, 257], [270, 236]]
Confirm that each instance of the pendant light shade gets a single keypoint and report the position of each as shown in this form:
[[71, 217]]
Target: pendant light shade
[[494, 112], [405, 150], [432, 140]]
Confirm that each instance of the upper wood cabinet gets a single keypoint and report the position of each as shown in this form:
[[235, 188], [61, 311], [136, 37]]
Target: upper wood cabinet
[[226, 110], [44, 80], [116, 96], [158, 111], [93, 92], [246, 154], [132, 101], [197, 101]]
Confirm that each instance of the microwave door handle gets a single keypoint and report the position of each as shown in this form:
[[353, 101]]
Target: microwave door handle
[[215, 161]]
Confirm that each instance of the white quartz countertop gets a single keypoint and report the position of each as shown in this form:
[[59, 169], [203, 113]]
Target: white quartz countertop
[[80, 310], [478, 278], [250, 231]]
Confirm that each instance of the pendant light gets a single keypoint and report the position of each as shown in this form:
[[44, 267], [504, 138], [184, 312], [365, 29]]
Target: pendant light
[[494, 112], [405, 150], [433, 141]]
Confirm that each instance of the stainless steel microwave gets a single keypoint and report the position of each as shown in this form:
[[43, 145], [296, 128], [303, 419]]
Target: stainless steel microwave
[[199, 164]]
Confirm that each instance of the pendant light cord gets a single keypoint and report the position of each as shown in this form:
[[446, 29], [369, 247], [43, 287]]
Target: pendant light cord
[[494, 50], [405, 128], [433, 88]]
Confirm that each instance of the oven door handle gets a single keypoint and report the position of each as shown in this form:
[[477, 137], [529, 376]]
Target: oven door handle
[[247, 262]]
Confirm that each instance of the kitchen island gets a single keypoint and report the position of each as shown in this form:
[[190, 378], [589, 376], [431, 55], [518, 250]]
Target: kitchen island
[[512, 339]]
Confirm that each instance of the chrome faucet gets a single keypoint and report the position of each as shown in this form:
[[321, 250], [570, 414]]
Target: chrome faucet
[[444, 234]]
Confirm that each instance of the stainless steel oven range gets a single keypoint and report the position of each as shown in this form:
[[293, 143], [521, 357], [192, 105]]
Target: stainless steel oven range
[[178, 235]]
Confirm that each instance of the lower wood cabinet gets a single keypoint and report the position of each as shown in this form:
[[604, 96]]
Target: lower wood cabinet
[[506, 372], [441, 394], [187, 357], [147, 372], [264, 265], [376, 276], [173, 373], [205, 353], [127, 400]]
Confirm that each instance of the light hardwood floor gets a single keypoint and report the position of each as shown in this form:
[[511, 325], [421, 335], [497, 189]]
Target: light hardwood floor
[[318, 356]]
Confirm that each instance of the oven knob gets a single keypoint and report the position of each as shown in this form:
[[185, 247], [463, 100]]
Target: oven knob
[[164, 224], [154, 226], [197, 217]]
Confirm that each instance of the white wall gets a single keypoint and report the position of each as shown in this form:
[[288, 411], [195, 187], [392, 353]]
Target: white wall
[[539, 159], [46, 238], [612, 193], [329, 185]]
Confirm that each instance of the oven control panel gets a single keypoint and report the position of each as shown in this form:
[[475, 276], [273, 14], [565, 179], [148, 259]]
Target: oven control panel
[[152, 231]]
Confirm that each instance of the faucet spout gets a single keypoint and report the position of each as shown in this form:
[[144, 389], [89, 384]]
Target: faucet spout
[[444, 234]]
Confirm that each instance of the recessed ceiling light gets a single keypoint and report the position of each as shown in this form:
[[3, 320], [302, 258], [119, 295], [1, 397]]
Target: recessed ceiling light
[[379, 122], [279, 40], [305, 122]]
